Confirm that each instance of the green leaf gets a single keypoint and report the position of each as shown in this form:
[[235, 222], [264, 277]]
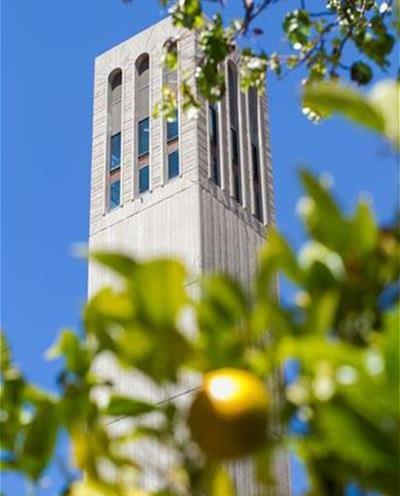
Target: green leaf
[[39, 443], [222, 484], [221, 315], [276, 255], [322, 216], [392, 347], [119, 263], [187, 14], [367, 442], [159, 292], [328, 98], [122, 405], [70, 346], [297, 27], [5, 353], [322, 312], [223, 302], [363, 229], [385, 97], [106, 309], [361, 72]]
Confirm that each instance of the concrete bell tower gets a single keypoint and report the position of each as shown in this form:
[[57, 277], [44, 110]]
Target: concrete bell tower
[[198, 189]]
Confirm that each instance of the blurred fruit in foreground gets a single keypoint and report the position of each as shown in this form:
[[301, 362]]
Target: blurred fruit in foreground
[[228, 417]]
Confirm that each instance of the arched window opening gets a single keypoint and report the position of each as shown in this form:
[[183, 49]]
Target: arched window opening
[[114, 139], [213, 129], [171, 126], [234, 130], [256, 176], [142, 121]]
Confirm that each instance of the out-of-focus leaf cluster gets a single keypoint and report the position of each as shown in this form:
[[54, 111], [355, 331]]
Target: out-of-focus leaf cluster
[[340, 331], [331, 40], [378, 110]]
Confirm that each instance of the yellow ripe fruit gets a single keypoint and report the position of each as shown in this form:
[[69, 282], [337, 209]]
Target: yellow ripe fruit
[[228, 417]]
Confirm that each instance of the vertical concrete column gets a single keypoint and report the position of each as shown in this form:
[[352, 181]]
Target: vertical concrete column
[[99, 143]]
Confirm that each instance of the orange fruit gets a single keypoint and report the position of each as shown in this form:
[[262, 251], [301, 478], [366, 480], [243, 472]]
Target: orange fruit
[[228, 416]]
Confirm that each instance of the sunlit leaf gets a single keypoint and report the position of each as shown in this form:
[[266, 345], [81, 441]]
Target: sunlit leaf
[[158, 289], [328, 98], [363, 230], [95, 488], [119, 263], [70, 346], [385, 96]]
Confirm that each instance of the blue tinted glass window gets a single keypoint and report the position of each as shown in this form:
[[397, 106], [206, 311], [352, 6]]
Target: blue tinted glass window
[[143, 128], [173, 164], [115, 159], [213, 125], [172, 128], [115, 194], [144, 179]]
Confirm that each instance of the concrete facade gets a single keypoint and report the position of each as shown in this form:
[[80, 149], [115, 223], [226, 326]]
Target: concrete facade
[[188, 217]]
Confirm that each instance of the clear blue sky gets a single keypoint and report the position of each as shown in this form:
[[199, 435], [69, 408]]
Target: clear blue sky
[[48, 49]]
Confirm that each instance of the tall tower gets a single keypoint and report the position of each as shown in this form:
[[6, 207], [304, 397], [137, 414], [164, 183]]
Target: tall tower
[[197, 189]]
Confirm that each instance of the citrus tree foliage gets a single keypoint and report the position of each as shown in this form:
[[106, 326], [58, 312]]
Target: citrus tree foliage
[[340, 330], [330, 39], [377, 111]]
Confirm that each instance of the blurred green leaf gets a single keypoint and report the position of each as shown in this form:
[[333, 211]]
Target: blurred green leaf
[[363, 229], [321, 317], [122, 405], [328, 98], [70, 346], [107, 308], [39, 443], [385, 96], [367, 446], [5, 353], [222, 484], [276, 255], [221, 314], [391, 324], [158, 291], [119, 263], [322, 216], [377, 111], [223, 302], [361, 72]]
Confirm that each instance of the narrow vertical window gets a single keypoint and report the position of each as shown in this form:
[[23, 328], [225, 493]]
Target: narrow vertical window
[[234, 125], [142, 122], [115, 149], [114, 139], [214, 143], [173, 164], [171, 127], [143, 137], [255, 163], [144, 180], [115, 194]]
